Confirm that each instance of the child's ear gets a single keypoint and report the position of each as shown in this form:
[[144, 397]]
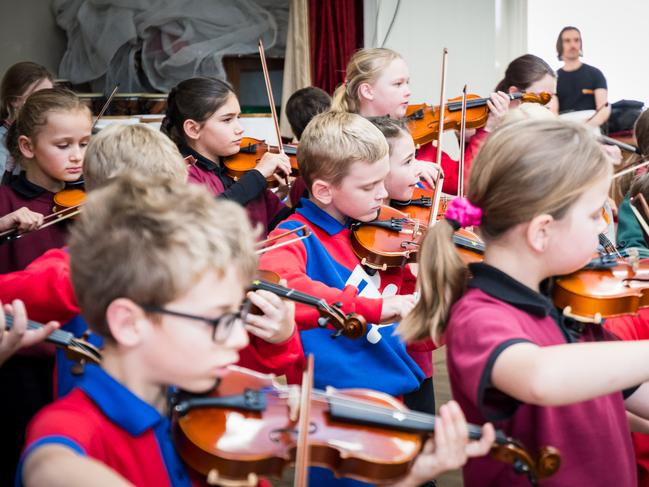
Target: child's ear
[[26, 147], [127, 322], [322, 191], [538, 232], [366, 91], [192, 129]]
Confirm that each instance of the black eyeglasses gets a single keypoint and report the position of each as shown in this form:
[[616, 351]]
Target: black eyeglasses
[[222, 325]]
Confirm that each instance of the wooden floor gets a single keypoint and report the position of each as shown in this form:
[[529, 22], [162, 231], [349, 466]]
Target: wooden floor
[[442, 395]]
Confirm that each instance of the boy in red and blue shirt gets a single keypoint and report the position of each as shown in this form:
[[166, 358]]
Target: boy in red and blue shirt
[[180, 251]]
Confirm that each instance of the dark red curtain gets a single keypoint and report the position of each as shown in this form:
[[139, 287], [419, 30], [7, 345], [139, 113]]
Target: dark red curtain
[[336, 31]]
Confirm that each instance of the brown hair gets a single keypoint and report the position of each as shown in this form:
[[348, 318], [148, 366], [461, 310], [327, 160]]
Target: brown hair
[[150, 240], [630, 182], [333, 141], [523, 71], [32, 117], [193, 99], [305, 104], [365, 66], [15, 82], [560, 42], [391, 128], [140, 148], [523, 170]]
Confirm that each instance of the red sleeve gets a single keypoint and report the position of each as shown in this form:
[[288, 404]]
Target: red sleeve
[[273, 358], [273, 206], [635, 327], [428, 152], [471, 151], [297, 191], [44, 286], [290, 263]]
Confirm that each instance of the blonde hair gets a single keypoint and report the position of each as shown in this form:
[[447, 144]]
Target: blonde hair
[[365, 66], [150, 240], [137, 147], [523, 170], [527, 111], [32, 117], [333, 141]]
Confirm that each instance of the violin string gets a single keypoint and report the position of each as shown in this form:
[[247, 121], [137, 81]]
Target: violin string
[[366, 406]]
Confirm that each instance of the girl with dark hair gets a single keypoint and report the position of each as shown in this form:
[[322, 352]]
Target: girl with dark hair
[[203, 120]]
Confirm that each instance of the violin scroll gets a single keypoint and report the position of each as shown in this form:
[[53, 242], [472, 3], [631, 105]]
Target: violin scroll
[[546, 464], [543, 98]]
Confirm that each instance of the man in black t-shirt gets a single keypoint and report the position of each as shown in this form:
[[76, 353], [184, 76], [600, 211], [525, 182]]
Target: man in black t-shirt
[[580, 86]]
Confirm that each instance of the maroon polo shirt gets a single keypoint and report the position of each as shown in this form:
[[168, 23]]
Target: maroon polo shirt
[[15, 255], [262, 205], [592, 436]]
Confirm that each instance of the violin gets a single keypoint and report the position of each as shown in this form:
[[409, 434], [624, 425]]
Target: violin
[[350, 325], [76, 349], [423, 119], [247, 427], [420, 207], [607, 287], [251, 151], [67, 204], [391, 240]]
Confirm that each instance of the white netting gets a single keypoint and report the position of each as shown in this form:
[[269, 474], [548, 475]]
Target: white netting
[[154, 44]]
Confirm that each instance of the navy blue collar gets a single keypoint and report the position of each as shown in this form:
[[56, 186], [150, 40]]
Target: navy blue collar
[[202, 161], [499, 285], [119, 404], [25, 188], [319, 217]]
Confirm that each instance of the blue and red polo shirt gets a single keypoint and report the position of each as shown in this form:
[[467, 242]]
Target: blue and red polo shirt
[[103, 420], [592, 436], [324, 265]]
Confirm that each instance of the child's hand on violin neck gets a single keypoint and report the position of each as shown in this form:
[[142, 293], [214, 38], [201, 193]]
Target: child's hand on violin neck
[[498, 104], [428, 171], [22, 219], [396, 307], [277, 323], [270, 164], [450, 448]]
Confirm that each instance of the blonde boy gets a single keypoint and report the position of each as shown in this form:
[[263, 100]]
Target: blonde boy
[[143, 252]]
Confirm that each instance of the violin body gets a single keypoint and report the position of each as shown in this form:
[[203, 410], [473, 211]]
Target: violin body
[[468, 244], [593, 294], [423, 119], [236, 445], [392, 240], [251, 151], [68, 198]]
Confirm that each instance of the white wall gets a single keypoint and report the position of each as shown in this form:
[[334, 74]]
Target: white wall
[[28, 32], [615, 37]]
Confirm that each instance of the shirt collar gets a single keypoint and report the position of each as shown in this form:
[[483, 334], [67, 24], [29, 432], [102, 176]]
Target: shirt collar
[[319, 217], [119, 404], [26, 188], [501, 286], [201, 161]]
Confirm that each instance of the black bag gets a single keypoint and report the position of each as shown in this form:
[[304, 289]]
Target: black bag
[[624, 113]]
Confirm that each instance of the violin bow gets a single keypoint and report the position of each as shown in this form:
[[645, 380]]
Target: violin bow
[[302, 448], [271, 99], [460, 180], [105, 107], [440, 177]]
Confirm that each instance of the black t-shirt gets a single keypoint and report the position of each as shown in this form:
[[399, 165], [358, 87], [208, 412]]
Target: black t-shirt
[[576, 89]]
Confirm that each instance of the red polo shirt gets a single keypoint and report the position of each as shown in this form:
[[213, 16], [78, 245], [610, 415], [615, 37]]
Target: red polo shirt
[[592, 436]]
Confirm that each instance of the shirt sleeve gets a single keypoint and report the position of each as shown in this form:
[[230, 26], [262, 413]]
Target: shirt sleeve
[[599, 81], [273, 358], [44, 286], [472, 354], [428, 152], [290, 263], [246, 189]]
